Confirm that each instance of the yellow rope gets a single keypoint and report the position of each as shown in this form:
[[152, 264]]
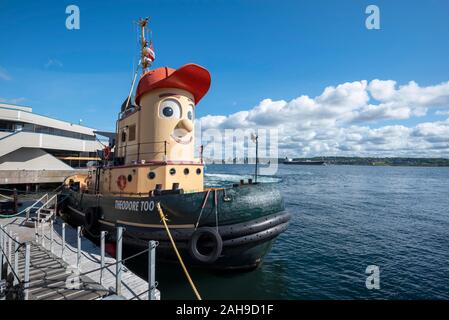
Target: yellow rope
[[163, 218]]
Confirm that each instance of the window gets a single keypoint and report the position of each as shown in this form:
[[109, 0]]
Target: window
[[132, 132], [123, 136]]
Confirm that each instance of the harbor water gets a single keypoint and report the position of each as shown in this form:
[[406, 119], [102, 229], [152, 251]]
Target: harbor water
[[344, 218]]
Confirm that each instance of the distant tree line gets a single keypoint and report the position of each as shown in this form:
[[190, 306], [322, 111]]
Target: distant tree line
[[374, 161]]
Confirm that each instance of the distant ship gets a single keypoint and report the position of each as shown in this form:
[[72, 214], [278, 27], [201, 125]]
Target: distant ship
[[305, 162]]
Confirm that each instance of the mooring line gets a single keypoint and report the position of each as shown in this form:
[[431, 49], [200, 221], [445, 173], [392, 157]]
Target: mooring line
[[164, 221]]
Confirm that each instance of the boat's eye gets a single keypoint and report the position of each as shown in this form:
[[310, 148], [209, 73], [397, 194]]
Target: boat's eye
[[190, 112], [170, 109]]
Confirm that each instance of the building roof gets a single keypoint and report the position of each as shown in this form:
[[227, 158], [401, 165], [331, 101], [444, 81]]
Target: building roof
[[24, 114]]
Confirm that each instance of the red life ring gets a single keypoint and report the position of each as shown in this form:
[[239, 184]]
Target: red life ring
[[107, 153], [121, 182]]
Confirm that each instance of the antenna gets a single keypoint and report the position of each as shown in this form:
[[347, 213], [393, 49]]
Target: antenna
[[255, 138], [147, 55]]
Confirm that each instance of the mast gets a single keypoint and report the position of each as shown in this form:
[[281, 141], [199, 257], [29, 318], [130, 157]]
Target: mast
[[147, 53]]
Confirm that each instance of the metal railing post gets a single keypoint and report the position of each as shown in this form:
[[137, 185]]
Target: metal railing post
[[1, 252], [51, 236], [36, 232], [56, 207], [27, 269], [9, 252], [151, 270], [5, 242], [118, 270], [63, 240], [78, 253], [16, 261], [42, 234], [102, 247]]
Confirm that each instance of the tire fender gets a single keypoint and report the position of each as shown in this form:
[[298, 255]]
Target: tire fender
[[216, 240]]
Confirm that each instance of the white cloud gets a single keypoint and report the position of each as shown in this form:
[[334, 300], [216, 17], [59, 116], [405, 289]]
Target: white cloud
[[442, 112], [337, 122], [382, 90]]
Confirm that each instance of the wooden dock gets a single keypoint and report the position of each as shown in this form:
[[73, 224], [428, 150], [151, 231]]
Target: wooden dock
[[58, 270]]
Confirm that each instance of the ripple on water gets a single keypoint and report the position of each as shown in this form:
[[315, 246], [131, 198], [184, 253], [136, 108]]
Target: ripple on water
[[344, 218]]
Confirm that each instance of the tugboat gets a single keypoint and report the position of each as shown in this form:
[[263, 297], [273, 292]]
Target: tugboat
[[153, 164]]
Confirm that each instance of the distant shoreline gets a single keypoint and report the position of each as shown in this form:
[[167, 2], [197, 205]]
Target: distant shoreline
[[372, 161], [356, 161]]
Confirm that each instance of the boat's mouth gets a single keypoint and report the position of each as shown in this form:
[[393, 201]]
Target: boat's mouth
[[181, 140], [181, 137]]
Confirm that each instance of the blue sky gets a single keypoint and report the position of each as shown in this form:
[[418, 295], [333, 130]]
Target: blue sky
[[254, 50]]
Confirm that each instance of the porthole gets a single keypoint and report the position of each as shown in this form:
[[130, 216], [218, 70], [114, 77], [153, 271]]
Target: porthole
[[198, 171], [172, 171], [186, 171], [130, 178], [151, 175]]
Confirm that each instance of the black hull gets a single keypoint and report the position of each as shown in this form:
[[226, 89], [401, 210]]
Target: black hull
[[249, 218]]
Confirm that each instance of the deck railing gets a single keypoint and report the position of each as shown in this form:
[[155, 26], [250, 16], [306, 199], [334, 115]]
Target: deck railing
[[41, 237], [7, 239]]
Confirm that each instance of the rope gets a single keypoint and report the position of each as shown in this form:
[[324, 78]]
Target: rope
[[164, 220], [7, 234], [216, 208], [31, 206], [202, 208], [10, 265], [114, 263], [95, 236]]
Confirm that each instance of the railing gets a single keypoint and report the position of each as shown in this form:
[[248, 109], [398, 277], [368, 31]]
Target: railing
[[33, 206], [54, 200], [6, 251], [41, 237], [27, 209], [138, 153], [7, 239]]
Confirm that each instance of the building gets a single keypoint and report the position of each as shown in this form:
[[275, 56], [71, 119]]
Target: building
[[36, 149]]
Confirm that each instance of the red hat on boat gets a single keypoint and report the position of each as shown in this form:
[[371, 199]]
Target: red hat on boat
[[190, 77]]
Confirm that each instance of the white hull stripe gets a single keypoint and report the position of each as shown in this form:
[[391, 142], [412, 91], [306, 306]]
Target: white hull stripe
[[143, 225]]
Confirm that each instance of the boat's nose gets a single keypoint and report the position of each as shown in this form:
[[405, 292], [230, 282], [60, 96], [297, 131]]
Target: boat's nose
[[185, 124]]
